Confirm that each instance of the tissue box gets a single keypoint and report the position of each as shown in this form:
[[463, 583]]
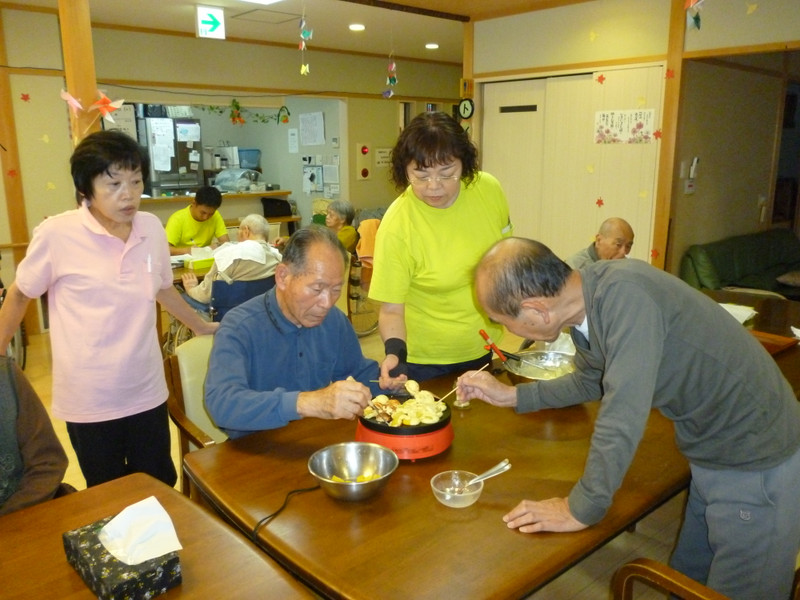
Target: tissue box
[[201, 263], [109, 578]]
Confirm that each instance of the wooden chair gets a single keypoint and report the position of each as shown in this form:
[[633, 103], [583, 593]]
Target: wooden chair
[[664, 577], [185, 372]]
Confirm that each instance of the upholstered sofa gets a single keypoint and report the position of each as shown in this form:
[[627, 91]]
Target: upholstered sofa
[[766, 260]]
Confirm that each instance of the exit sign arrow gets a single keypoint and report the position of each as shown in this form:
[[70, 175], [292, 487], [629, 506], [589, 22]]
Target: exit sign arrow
[[210, 22]]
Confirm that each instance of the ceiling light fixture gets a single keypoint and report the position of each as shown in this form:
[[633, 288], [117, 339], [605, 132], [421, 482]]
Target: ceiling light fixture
[[261, 1], [432, 46], [356, 27]]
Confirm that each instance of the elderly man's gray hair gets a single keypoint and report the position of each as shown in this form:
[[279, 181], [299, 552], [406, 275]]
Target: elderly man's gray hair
[[296, 249]]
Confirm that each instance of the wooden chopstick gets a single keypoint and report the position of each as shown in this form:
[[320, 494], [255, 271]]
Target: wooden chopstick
[[455, 388]]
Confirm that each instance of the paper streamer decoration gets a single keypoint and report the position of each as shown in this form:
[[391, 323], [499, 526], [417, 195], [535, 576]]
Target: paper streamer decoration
[[391, 77], [306, 34]]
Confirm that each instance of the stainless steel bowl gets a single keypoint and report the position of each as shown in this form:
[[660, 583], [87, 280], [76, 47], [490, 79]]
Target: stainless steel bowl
[[353, 470], [538, 364]]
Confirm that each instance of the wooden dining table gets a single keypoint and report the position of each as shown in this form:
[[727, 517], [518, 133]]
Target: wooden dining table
[[216, 561], [774, 316], [402, 543]]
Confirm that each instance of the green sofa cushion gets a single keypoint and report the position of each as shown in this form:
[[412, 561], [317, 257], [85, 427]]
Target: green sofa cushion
[[752, 260]]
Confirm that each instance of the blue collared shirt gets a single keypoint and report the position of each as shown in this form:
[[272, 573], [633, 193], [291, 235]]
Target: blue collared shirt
[[261, 361]]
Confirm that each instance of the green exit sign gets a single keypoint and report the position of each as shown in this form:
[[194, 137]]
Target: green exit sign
[[210, 22]]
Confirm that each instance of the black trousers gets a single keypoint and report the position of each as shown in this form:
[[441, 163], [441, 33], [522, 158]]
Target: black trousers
[[111, 449]]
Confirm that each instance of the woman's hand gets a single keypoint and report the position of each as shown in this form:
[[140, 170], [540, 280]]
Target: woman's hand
[[392, 382]]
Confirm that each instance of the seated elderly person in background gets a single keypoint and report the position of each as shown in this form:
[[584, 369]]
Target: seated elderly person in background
[[197, 224], [289, 354], [613, 240], [32, 461], [249, 259], [339, 217]]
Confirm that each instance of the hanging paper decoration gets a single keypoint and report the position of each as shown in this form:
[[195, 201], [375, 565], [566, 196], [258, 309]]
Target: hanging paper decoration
[[654, 253], [692, 8], [25, 97], [599, 202], [236, 113], [391, 77], [105, 106], [72, 102], [305, 35], [601, 79]]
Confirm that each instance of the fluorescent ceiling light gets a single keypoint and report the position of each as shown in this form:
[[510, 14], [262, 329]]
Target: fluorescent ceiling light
[[261, 1], [356, 27], [432, 46]]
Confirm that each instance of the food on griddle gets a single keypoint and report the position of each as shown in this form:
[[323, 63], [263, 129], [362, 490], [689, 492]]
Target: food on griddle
[[422, 408]]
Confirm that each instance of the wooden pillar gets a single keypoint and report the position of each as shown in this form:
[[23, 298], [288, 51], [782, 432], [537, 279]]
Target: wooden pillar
[[78, 54], [669, 132], [12, 175]]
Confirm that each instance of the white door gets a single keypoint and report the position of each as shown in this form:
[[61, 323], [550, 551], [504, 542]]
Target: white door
[[513, 130], [561, 184]]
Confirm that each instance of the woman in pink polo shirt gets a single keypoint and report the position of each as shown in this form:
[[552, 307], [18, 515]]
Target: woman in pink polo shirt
[[103, 266]]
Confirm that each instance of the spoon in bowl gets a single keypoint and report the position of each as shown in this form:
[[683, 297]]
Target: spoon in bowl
[[501, 467]]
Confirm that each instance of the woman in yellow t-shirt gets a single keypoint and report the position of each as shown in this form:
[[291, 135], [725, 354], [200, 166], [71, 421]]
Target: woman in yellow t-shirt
[[448, 214]]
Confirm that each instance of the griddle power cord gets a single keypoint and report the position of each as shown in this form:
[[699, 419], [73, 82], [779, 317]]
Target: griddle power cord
[[269, 517]]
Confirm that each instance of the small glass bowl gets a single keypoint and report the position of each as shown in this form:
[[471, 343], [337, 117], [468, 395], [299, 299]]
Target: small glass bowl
[[449, 488]]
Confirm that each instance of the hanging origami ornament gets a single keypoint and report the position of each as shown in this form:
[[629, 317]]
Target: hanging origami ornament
[[692, 20], [391, 77], [106, 106], [73, 103], [305, 35]]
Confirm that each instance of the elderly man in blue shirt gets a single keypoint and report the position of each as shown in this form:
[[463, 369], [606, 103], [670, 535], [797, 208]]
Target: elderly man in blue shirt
[[288, 354]]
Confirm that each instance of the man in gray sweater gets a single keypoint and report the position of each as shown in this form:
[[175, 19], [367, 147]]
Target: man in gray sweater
[[644, 339]]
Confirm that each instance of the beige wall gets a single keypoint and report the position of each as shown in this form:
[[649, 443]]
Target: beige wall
[[728, 121], [736, 149], [727, 25], [267, 76], [589, 32]]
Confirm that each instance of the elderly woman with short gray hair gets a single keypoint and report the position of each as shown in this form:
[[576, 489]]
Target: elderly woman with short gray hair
[[339, 218]]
